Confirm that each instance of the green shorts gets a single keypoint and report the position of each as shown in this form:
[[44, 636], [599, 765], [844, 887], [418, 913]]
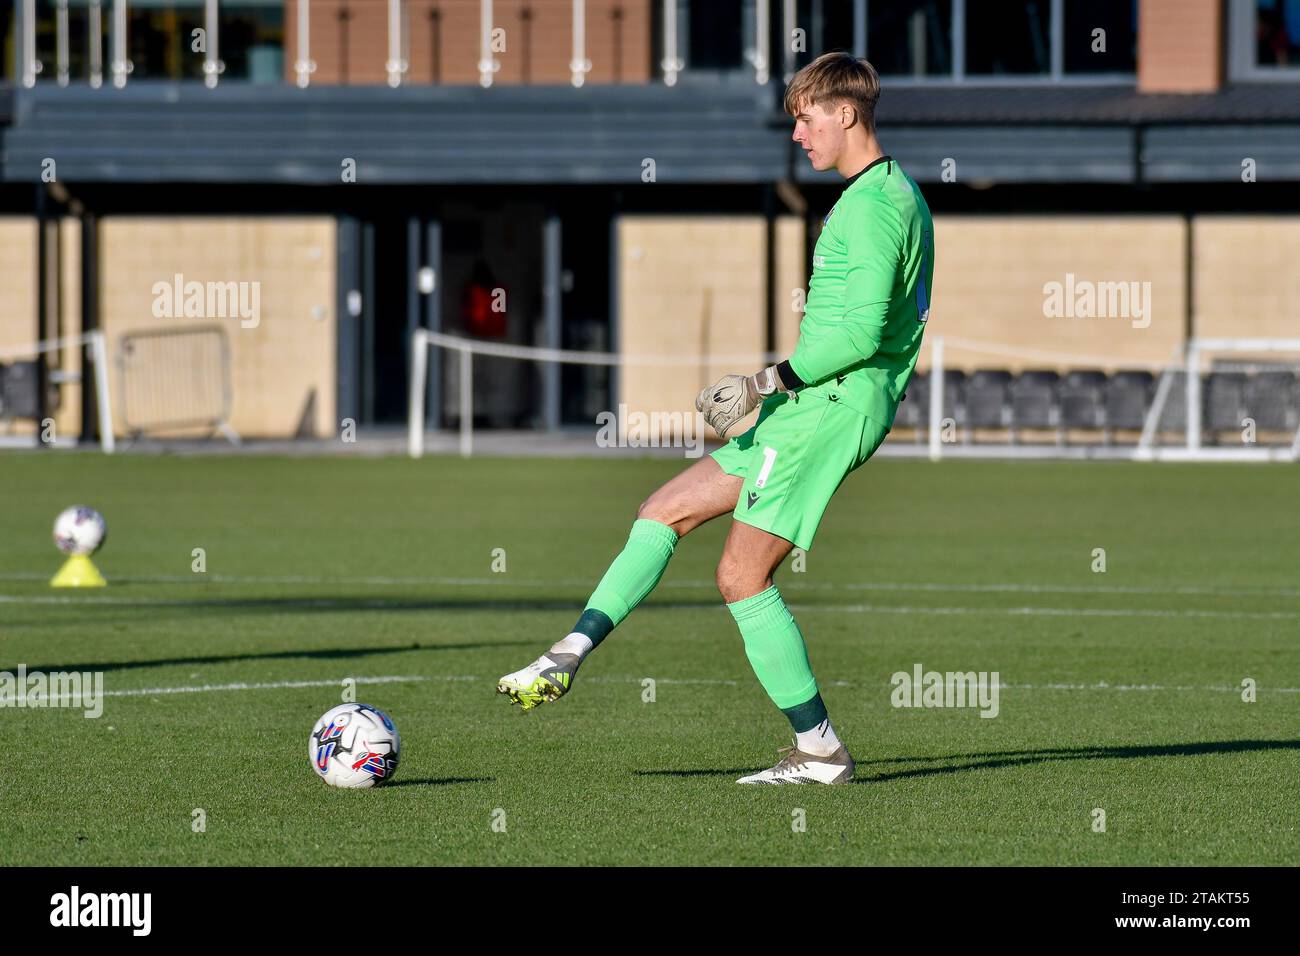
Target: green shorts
[[793, 460]]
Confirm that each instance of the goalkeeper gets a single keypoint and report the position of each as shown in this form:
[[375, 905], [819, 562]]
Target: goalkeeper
[[822, 413]]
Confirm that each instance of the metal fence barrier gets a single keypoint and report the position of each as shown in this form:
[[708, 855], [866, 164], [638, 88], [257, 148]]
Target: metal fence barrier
[[175, 378]]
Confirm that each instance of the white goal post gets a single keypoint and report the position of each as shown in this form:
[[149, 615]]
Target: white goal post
[[1192, 371], [95, 342]]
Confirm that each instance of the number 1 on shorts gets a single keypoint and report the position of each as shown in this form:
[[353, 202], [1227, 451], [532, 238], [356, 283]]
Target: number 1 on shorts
[[769, 457]]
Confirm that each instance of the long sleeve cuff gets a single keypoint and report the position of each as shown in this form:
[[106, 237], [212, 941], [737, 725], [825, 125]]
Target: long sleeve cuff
[[789, 378]]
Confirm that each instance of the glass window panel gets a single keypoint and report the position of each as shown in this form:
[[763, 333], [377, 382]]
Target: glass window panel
[[715, 35], [1277, 33], [158, 39], [8, 39], [910, 37], [252, 41], [1118, 18], [78, 38], [836, 26], [1004, 37], [827, 25]]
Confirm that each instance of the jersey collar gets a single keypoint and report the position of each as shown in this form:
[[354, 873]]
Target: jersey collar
[[888, 162]]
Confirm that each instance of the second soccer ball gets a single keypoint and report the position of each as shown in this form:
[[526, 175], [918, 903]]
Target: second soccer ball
[[79, 530]]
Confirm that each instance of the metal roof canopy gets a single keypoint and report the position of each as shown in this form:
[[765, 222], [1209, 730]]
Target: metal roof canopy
[[724, 133]]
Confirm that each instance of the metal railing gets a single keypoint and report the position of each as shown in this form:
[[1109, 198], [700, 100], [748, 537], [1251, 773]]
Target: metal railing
[[397, 63]]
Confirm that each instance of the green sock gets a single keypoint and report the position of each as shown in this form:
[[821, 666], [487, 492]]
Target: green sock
[[631, 576], [776, 651]]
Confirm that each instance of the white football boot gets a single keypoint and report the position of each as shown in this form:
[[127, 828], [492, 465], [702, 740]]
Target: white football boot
[[795, 766], [547, 678]]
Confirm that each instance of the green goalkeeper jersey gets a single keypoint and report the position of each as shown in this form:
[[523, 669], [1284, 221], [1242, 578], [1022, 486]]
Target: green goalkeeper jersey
[[869, 296]]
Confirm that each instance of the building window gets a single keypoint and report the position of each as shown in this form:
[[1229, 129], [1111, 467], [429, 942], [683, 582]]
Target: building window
[[827, 25], [1264, 40], [714, 33], [1100, 36], [910, 37], [161, 39], [956, 40], [8, 37], [158, 37], [1277, 33], [1008, 38], [79, 34], [252, 40]]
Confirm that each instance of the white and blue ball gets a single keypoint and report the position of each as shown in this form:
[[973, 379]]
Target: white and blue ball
[[79, 530], [354, 745]]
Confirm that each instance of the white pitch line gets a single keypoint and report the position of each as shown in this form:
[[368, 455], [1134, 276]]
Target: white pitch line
[[269, 685], [503, 581], [1047, 611], [468, 678]]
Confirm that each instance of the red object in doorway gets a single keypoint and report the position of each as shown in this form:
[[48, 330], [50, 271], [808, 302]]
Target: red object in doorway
[[476, 301]]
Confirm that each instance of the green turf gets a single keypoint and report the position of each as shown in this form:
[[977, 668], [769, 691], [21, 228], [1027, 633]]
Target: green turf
[[323, 569]]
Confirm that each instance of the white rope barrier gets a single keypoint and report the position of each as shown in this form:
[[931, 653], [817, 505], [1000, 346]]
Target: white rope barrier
[[580, 357]]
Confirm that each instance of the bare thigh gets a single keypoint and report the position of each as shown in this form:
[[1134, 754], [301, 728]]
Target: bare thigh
[[699, 494]]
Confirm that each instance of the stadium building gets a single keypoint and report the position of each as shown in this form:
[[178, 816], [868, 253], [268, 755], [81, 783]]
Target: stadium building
[[234, 215]]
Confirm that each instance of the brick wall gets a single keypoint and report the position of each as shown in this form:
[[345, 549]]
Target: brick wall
[[444, 41], [1180, 46], [280, 368], [1247, 284], [688, 285]]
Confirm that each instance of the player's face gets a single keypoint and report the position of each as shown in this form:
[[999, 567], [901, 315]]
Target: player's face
[[821, 134]]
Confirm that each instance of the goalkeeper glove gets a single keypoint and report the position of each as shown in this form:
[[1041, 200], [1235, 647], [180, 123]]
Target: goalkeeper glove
[[733, 397]]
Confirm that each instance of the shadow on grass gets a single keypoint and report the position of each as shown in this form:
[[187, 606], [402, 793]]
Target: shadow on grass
[[321, 654], [436, 781], [995, 760], [126, 613]]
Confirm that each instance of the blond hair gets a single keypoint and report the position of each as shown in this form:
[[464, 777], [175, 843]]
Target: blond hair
[[835, 78]]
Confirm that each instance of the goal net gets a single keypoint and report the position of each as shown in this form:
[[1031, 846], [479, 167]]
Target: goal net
[[41, 386], [1228, 400]]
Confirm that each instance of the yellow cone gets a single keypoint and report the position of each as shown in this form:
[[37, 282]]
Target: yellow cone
[[78, 572]]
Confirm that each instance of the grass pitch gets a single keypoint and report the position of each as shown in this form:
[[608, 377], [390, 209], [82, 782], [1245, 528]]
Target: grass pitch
[[1122, 689]]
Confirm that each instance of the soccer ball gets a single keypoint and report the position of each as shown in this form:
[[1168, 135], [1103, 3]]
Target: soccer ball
[[79, 530], [354, 745]]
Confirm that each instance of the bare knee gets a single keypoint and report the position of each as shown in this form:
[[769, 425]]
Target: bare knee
[[739, 579], [669, 512]]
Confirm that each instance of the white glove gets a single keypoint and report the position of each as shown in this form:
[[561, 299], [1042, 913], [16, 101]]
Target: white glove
[[732, 397]]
